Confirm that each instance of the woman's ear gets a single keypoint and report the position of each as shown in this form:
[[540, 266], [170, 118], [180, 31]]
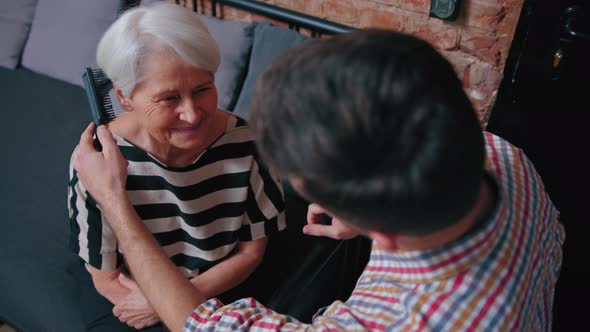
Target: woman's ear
[[125, 102]]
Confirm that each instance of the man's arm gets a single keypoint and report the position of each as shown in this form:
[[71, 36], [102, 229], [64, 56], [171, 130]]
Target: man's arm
[[171, 295], [232, 271], [104, 173]]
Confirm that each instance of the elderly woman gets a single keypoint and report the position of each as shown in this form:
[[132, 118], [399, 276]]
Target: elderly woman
[[193, 173]]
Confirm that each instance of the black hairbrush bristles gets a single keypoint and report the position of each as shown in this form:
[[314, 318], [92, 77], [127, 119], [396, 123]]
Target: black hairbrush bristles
[[97, 87]]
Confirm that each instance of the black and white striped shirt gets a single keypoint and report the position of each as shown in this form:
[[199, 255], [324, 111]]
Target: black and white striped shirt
[[197, 213]]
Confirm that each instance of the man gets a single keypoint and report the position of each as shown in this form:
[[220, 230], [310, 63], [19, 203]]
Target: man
[[374, 127]]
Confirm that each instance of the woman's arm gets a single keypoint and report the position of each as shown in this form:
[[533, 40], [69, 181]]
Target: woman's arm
[[232, 271]]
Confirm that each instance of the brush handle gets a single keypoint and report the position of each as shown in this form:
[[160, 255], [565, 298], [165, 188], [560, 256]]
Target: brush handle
[[93, 97], [96, 144], [94, 84]]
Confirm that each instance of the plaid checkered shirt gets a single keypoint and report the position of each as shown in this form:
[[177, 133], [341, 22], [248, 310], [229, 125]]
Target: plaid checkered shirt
[[499, 277]]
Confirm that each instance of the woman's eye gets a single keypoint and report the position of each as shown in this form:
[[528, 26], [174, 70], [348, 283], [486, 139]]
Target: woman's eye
[[199, 90], [170, 98]]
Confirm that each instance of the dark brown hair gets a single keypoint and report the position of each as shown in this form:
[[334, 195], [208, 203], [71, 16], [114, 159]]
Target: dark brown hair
[[377, 127]]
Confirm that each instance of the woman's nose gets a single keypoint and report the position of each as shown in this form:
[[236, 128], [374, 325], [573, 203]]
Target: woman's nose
[[189, 112]]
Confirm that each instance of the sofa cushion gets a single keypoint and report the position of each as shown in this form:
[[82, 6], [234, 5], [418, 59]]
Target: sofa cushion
[[269, 43], [64, 36], [234, 39], [15, 23], [37, 289]]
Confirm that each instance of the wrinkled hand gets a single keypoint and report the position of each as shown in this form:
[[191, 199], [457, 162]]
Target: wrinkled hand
[[336, 230], [134, 309], [102, 173]]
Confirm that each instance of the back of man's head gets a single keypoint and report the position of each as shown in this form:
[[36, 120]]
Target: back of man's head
[[377, 128]]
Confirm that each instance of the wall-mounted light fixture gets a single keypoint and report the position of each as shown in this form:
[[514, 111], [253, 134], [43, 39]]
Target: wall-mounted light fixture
[[445, 9]]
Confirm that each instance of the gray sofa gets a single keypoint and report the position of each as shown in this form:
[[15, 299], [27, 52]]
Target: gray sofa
[[44, 46]]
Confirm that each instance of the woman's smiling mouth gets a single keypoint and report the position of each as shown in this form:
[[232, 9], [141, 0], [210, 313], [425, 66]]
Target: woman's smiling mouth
[[186, 129]]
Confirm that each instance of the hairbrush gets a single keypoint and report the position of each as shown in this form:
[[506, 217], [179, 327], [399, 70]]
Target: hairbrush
[[97, 86]]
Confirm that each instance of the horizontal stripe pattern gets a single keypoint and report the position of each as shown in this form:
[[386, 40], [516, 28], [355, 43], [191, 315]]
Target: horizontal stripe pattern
[[197, 213], [499, 277]]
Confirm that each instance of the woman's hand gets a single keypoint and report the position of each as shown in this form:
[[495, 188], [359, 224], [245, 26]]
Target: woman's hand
[[134, 309], [102, 173], [336, 230]]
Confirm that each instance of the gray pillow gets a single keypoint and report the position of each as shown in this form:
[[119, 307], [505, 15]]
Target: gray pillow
[[15, 22], [65, 34], [269, 43], [234, 39]]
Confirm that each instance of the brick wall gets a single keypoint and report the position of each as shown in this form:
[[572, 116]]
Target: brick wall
[[476, 43]]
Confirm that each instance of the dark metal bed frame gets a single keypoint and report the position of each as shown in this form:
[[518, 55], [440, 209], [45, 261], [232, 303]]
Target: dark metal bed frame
[[295, 20]]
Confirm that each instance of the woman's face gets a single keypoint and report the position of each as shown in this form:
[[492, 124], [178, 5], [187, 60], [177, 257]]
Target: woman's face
[[175, 102]]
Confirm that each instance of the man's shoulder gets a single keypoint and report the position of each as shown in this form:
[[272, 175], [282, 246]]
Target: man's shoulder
[[507, 162]]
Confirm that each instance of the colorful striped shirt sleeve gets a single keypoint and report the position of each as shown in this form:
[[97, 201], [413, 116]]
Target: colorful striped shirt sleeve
[[249, 315]]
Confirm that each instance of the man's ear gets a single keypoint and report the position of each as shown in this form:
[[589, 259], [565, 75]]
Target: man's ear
[[385, 241], [125, 102]]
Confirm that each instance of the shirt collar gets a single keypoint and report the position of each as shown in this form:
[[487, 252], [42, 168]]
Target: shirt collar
[[423, 266]]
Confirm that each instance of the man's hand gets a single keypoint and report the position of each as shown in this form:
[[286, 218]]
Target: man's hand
[[102, 173], [337, 229], [134, 309]]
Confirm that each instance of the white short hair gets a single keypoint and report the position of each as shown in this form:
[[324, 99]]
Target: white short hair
[[162, 26]]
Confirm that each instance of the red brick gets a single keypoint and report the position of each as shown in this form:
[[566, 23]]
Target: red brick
[[485, 14], [461, 63], [309, 7], [387, 18], [483, 45], [441, 35], [420, 6], [482, 109], [230, 13], [484, 80], [476, 44], [343, 11]]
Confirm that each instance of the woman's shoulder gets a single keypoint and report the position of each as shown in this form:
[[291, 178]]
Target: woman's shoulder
[[236, 128], [235, 122]]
